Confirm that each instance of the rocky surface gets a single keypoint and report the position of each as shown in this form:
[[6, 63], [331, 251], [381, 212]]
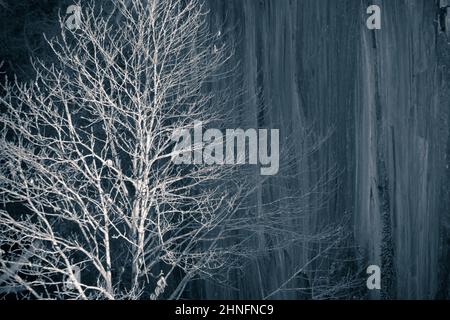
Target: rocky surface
[[378, 95]]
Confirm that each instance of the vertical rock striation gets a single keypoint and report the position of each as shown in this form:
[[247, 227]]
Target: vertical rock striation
[[313, 64]]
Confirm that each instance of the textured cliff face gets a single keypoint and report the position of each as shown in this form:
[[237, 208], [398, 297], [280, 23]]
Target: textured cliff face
[[408, 138], [402, 109], [314, 64], [378, 103]]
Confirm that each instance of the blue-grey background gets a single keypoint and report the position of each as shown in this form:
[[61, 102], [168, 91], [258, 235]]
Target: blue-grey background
[[379, 99]]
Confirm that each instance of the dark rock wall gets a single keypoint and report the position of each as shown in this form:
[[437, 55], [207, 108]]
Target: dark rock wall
[[313, 64]]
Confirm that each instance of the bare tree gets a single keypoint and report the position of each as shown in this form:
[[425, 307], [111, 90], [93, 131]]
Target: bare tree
[[92, 205], [99, 209]]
